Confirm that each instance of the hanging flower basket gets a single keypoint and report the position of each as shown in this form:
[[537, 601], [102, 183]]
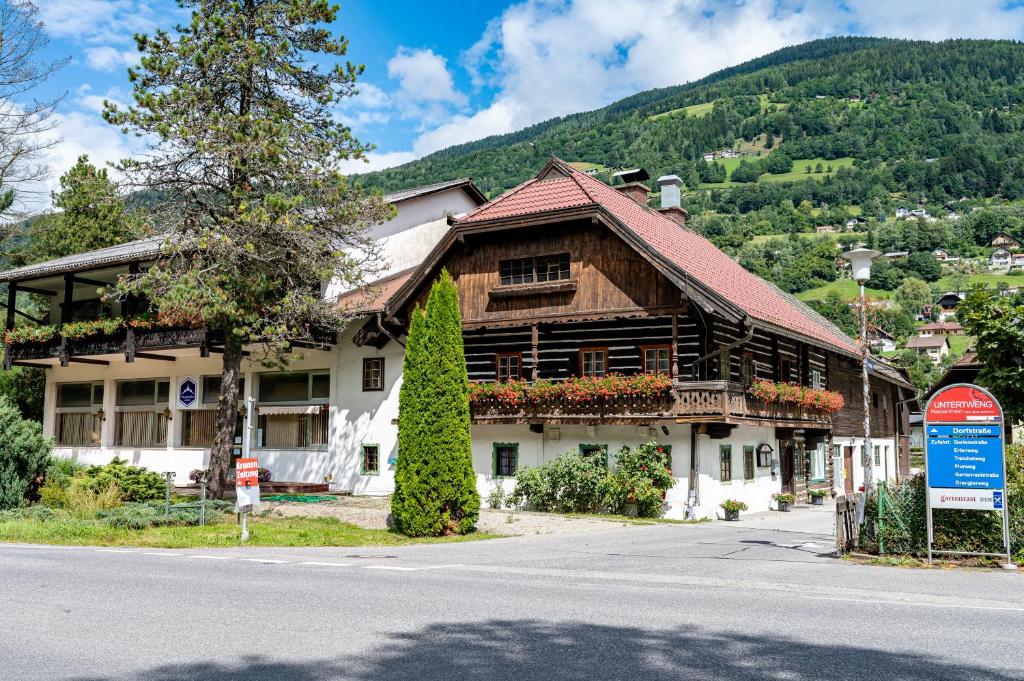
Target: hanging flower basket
[[815, 400]]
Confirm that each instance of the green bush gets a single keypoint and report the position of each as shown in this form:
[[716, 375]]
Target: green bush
[[135, 483], [570, 483], [435, 485], [642, 477], [904, 529], [138, 516], [24, 454]]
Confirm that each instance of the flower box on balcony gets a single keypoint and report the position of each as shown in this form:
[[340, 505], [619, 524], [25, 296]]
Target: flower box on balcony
[[811, 402], [612, 394]]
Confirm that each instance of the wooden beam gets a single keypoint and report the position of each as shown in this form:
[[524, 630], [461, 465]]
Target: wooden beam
[[149, 355], [12, 299], [26, 316], [18, 363], [69, 294], [84, 360], [535, 342], [37, 291], [90, 282], [675, 345]]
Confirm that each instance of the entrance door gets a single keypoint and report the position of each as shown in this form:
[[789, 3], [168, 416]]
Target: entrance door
[[848, 469], [788, 466]]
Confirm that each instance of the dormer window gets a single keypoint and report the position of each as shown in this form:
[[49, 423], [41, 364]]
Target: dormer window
[[534, 269]]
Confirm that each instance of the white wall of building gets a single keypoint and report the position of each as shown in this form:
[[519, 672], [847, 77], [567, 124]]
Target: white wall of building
[[885, 468], [755, 493]]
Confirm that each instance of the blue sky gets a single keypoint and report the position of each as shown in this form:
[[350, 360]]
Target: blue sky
[[439, 73]]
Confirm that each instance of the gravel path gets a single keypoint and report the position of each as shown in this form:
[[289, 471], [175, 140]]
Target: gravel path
[[372, 513]]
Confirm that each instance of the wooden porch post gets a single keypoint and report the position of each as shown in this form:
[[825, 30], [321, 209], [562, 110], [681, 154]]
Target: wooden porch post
[[534, 351], [12, 300], [776, 360], [69, 294], [675, 344]]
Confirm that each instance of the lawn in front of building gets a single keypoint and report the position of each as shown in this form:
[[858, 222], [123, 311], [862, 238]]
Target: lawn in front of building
[[263, 531]]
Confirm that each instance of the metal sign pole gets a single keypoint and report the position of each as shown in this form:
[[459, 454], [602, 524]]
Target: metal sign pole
[[1009, 564], [246, 447], [927, 490]]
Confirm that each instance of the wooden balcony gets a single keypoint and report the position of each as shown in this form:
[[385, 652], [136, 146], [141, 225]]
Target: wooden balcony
[[686, 402]]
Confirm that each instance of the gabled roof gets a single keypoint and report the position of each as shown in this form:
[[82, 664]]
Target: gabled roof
[[686, 256], [464, 183], [133, 251], [372, 297], [926, 342], [941, 326]]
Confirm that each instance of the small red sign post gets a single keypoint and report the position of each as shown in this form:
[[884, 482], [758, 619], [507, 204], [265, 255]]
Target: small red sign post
[[247, 489]]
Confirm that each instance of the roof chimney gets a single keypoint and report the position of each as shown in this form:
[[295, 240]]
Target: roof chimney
[[670, 199], [633, 184]]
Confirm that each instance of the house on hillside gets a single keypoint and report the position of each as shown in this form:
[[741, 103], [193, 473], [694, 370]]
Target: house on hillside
[[563, 278], [881, 340], [827, 229], [941, 254], [936, 348], [948, 303], [1004, 240], [999, 259], [940, 329], [893, 256]]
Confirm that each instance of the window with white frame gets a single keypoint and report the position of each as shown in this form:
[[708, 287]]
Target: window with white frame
[[142, 413], [79, 414], [593, 362], [199, 426], [657, 359], [292, 409]]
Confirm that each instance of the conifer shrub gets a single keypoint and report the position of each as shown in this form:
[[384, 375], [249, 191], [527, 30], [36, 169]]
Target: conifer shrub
[[134, 482], [435, 486], [24, 454]]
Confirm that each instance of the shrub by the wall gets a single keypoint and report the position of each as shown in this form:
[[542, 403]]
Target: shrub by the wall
[[642, 477], [24, 454], [133, 482], [568, 484]]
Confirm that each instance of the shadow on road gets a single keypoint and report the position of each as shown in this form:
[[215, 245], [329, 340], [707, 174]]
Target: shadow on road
[[499, 650]]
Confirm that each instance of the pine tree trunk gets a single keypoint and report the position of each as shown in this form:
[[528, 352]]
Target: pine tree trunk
[[227, 417]]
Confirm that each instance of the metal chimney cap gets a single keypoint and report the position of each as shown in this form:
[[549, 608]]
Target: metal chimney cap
[[670, 180]]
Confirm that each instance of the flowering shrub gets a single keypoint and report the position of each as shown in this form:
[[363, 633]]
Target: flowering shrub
[[95, 327], [828, 401], [37, 334], [643, 478], [577, 390]]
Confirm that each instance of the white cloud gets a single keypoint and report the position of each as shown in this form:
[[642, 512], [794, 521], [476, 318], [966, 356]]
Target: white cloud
[[106, 21], [423, 77], [107, 58], [376, 161]]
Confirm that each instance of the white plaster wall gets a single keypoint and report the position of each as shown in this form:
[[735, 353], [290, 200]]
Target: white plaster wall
[[885, 470], [712, 491], [304, 465], [534, 450], [365, 418]]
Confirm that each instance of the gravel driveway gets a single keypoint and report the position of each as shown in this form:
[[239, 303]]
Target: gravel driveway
[[372, 513]]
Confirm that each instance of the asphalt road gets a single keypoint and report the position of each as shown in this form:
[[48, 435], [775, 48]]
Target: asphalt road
[[715, 601]]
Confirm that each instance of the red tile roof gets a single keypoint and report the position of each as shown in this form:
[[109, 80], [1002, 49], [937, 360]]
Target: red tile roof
[[691, 253], [372, 297]]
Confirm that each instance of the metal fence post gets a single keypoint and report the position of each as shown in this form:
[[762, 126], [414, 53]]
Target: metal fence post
[[202, 500], [168, 477]]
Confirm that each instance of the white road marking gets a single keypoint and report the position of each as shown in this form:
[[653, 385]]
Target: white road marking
[[324, 564], [210, 557], [403, 568], [161, 553], [270, 561], [116, 550]]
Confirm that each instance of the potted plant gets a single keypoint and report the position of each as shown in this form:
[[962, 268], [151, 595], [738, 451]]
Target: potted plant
[[732, 508], [818, 496], [784, 500]]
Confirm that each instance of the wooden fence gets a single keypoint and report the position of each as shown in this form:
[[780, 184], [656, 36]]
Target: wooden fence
[[847, 529]]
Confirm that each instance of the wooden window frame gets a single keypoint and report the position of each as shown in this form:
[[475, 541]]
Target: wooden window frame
[[94, 409], [367, 361], [748, 369], [363, 470], [534, 278], [494, 459], [657, 346], [749, 457], [722, 449], [785, 369], [497, 366], [594, 349]]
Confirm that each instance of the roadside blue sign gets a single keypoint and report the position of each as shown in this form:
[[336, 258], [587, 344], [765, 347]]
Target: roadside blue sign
[[965, 467], [965, 457]]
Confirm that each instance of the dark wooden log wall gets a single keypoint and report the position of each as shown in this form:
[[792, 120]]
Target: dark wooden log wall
[[845, 376]]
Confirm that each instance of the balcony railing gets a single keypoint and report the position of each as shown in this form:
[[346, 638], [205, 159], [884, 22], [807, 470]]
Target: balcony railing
[[697, 401]]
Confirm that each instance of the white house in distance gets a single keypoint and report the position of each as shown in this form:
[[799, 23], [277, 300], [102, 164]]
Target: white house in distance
[[562, 278], [935, 347]]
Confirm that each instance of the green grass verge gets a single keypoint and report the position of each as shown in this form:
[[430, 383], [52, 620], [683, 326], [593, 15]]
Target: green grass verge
[[694, 110], [262, 532]]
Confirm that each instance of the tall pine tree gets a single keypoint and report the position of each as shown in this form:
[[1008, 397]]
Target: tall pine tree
[[435, 486], [240, 107]]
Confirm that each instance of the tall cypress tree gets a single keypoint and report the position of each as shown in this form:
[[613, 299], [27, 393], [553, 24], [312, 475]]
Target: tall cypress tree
[[435, 486]]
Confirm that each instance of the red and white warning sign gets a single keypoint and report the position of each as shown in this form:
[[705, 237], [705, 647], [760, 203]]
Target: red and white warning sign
[[247, 482], [962, 404]]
